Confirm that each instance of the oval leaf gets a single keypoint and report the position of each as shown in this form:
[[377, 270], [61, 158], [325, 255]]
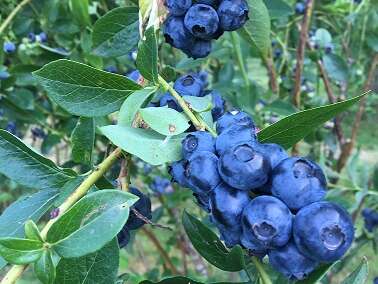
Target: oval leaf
[[148, 145], [116, 33], [32, 231], [83, 137], [20, 251], [147, 60], [83, 90], [44, 268], [359, 275], [210, 247], [90, 223], [165, 120], [199, 104]]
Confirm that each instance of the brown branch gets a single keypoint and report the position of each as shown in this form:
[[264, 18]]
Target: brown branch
[[148, 221], [272, 73], [161, 250], [301, 52]]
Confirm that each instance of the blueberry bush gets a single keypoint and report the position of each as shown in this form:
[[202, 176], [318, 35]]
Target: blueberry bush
[[188, 141]]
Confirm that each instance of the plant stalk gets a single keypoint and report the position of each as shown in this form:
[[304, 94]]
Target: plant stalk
[[239, 57], [263, 275], [10, 17]]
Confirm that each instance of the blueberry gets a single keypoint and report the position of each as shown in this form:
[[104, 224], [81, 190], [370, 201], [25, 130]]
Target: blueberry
[[290, 262], [226, 205], [4, 75], [219, 105], [376, 278], [123, 237], [197, 141], [168, 100], [266, 223], [202, 172], [177, 35], [234, 135], [189, 85], [230, 237], [42, 37], [31, 37], [300, 8], [274, 152], [143, 206], [277, 53], [161, 185], [178, 7], [298, 182], [323, 231], [135, 76], [38, 133], [213, 3], [203, 76], [9, 47], [177, 172], [232, 14], [203, 201], [370, 219], [11, 127], [202, 21], [199, 49], [111, 69], [328, 48], [234, 117]]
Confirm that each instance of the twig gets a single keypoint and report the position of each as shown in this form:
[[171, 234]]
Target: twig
[[148, 221], [272, 73], [301, 52], [124, 175], [12, 15]]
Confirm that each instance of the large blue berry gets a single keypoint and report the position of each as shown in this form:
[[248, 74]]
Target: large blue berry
[[290, 262], [230, 237], [168, 100], [202, 172], [234, 117], [176, 34], [244, 167], [200, 49], [232, 14], [202, 21], [266, 222], [323, 231], [177, 172], [298, 182], [234, 135], [226, 205], [143, 206], [9, 47], [161, 185], [178, 7], [203, 201], [197, 141], [274, 152], [189, 85], [123, 237], [213, 3]]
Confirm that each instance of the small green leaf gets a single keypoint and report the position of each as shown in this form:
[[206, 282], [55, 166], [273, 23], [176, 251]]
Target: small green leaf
[[185, 280], [132, 105], [91, 223], [148, 145], [199, 104], [83, 137], [322, 37], [32, 232], [317, 274], [256, 31], [293, 128], [278, 8], [20, 251], [210, 247], [83, 90], [80, 11], [44, 268], [147, 60], [359, 275], [336, 67], [100, 267], [116, 33], [165, 120]]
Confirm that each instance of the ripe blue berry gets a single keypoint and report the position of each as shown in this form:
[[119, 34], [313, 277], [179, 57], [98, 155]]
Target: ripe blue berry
[[189, 85], [213, 3], [176, 34], [168, 100], [298, 182], [370, 219], [42, 37], [323, 231], [31, 37], [111, 69], [199, 49], [234, 135], [266, 222], [230, 237], [143, 206], [234, 117], [328, 48], [300, 8], [202, 21], [244, 167], [9, 47], [232, 14], [177, 172], [38, 133], [203, 76], [197, 141], [161, 185], [219, 105], [135, 76], [123, 237], [274, 152], [178, 7], [11, 127], [203, 201], [290, 262], [202, 172]]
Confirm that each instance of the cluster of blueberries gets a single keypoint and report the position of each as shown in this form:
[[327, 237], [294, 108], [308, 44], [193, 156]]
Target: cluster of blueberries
[[192, 25], [370, 219], [10, 47], [261, 199]]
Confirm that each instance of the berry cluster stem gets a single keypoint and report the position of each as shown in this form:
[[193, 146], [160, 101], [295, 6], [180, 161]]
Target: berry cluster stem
[[15, 272], [263, 275]]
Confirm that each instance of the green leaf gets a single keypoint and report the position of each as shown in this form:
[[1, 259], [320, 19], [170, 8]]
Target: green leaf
[[44, 268], [278, 8], [80, 11], [293, 128], [132, 105], [323, 37], [100, 267], [336, 67], [83, 90], [317, 274], [20, 251], [147, 59], [32, 232], [165, 120], [210, 247], [148, 145], [359, 275], [199, 104], [83, 137], [91, 223], [116, 33], [185, 280], [26, 167], [257, 29]]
